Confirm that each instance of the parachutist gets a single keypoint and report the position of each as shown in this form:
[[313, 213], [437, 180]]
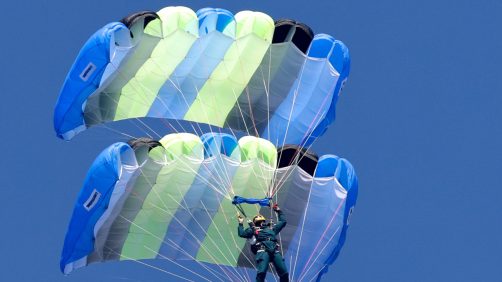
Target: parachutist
[[265, 246]]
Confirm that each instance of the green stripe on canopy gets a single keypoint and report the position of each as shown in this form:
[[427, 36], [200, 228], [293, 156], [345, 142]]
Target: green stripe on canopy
[[184, 153], [178, 30], [218, 96]]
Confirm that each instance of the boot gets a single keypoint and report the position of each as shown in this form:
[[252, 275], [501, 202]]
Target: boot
[[260, 277], [284, 277]]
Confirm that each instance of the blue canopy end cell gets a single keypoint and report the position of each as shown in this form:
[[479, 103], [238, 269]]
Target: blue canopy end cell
[[345, 174], [84, 78], [92, 203]]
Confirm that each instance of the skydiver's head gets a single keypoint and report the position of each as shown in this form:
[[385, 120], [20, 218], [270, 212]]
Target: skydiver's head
[[259, 220]]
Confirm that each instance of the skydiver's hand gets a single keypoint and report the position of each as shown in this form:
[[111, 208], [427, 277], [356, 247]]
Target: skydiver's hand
[[276, 207], [240, 219]]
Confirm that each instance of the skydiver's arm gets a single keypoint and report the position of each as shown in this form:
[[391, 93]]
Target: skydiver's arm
[[244, 233], [282, 222]]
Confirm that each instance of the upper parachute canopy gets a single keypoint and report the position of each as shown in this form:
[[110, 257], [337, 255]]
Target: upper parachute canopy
[[172, 200], [276, 80]]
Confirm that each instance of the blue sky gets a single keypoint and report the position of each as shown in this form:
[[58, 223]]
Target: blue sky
[[420, 120]]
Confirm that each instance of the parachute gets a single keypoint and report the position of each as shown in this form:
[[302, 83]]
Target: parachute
[[172, 199], [242, 72]]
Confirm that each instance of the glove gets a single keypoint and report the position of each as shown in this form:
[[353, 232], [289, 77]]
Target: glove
[[276, 208], [240, 219]]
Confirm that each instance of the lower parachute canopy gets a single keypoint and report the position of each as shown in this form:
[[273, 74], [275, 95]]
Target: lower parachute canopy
[[173, 200]]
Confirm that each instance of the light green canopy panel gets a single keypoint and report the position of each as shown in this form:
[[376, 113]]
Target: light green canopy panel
[[184, 154], [171, 36]]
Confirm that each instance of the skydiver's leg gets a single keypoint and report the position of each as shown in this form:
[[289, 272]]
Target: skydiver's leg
[[262, 260], [280, 267]]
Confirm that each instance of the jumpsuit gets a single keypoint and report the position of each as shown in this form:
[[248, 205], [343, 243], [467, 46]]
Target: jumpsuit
[[268, 251]]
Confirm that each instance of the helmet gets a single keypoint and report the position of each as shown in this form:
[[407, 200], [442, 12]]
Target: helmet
[[258, 220]]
